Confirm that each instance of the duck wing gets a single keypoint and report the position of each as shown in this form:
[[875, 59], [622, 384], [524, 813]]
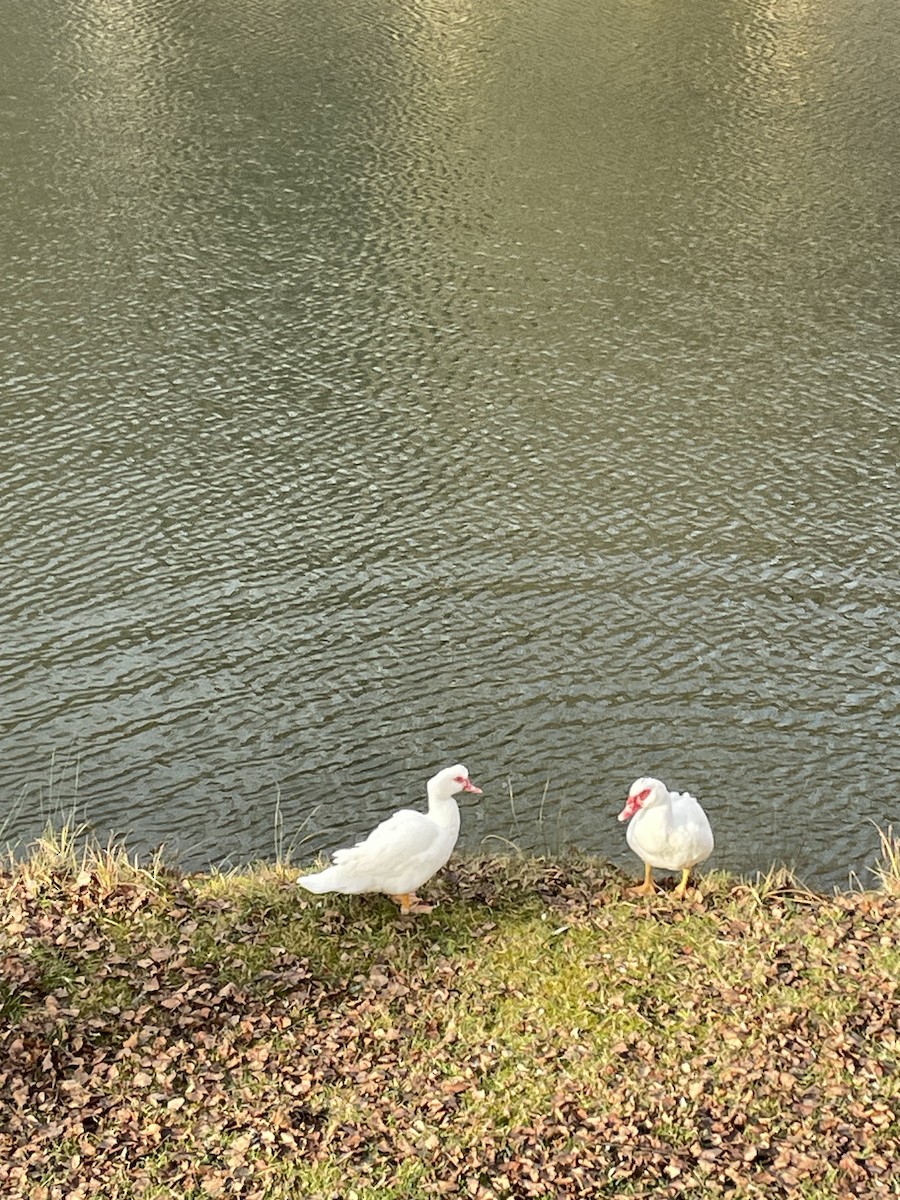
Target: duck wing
[[390, 846], [690, 829]]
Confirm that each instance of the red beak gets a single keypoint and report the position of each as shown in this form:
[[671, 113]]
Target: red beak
[[632, 804], [469, 786]]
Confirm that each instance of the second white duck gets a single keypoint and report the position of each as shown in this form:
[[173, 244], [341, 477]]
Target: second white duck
[[668, 830], [403, 852]]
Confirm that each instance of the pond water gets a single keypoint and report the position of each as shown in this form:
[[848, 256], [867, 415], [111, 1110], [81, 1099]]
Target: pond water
[[386, 385]]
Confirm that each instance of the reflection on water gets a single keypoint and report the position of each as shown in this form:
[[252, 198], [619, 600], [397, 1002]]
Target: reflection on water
[[513, 386]]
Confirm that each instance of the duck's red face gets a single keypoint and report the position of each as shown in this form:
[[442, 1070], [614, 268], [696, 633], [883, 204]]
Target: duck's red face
[[466, 784], [635, 801]]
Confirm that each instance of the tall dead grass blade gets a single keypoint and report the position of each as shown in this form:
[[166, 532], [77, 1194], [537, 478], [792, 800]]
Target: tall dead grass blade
[[888, 870]]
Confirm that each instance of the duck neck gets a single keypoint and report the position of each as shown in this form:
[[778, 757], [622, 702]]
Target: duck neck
[[442, 808]]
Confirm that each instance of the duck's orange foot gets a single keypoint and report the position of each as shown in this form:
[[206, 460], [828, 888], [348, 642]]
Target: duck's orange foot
[[644, 889], [647, 888], [410, 903], [681, 889]]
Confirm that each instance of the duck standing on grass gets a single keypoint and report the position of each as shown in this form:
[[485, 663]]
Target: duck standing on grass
[[403, 852], [668, 830]]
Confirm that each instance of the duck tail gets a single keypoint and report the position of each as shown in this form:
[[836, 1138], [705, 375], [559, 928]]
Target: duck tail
[[321, 881]]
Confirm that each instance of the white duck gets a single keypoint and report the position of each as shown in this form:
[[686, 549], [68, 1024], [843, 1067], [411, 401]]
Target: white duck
[[668, 830], [402, 852]]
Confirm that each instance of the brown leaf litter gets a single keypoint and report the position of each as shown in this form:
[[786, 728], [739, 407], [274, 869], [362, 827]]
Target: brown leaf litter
[[553, 1039]]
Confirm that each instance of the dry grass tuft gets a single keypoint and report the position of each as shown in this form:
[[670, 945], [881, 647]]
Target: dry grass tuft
[[65, 853], [888, 870]]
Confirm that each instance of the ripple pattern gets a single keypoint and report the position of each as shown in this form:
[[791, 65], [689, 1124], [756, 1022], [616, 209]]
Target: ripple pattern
[[513, 385]]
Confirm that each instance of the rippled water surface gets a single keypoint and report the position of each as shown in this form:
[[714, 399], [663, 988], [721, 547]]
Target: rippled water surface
[[386, 385]]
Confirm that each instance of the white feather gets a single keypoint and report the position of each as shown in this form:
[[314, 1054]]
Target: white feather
[[670, 830], [404, 851]]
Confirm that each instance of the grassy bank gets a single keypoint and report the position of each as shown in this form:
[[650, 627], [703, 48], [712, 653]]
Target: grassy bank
[[541, 1034]]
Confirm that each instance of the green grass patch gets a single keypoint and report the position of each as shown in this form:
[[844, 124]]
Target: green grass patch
[[541, 1033]]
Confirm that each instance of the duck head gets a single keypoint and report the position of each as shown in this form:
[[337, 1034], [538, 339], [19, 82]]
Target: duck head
[[452, 780], [643, 793]]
